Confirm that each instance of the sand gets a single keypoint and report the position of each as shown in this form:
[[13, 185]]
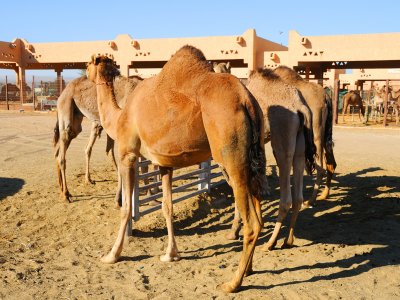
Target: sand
[[347, 247]]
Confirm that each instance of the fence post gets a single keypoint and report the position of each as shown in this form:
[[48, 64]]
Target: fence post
[[33, 92], [8, 107], [206, 166]]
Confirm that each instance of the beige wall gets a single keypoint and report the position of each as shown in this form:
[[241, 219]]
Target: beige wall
[[247, 51]]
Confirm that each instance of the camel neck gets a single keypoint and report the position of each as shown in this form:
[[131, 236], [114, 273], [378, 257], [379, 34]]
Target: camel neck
[[108, 108]]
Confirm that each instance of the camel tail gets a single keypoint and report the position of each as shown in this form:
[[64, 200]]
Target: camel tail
[[328, 140], [310, 148], [56, 137], [258, 180]]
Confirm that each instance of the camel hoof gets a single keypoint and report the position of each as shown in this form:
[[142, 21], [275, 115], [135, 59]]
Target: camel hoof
[[109, 259], [228, 288], [268, 247], [117, 205], [232, 235], [249, 272], [154, 203], [65, 198], [169, 258], [307, 204], [89, 181], [323, 195], [154, 191], [287, 245]]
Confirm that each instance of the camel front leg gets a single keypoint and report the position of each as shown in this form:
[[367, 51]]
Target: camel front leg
[[94, 132], [171, 253], [128, 179], [233, 233], [110, 150], [345, 106]]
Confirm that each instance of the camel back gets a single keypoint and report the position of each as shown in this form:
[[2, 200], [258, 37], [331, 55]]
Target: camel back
[[184, 66]]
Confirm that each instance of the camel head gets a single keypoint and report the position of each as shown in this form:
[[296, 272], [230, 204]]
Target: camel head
[[101, 68], [222, 67]]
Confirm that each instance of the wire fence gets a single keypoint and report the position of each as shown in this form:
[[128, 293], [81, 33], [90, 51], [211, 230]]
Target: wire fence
[[37, 94]]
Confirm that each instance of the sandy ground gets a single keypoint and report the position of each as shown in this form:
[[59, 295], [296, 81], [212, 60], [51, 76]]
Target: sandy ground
[[346, 248]]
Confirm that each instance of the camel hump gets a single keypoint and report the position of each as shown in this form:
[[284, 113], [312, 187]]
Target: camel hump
[[187, 63], [287, 74]]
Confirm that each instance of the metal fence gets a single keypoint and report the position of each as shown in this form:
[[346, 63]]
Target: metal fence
[[189, 182], [38, 93]]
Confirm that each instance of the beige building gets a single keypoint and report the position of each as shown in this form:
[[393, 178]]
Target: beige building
[[320, 58]]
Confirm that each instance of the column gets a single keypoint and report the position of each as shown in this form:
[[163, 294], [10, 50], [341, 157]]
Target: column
[[59, 81], [335, 100], [385, 103], [22, 84]]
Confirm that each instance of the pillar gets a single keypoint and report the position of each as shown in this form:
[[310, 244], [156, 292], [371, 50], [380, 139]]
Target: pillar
[[335, 100], [59, 81], [385, 103], [307, 73], [22, 84]]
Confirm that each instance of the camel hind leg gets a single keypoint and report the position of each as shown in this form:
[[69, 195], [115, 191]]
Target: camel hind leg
[[284, 161], [94, 134], [297, 195], [330, 164], [248, 206], [68, 131], [171, 253], [236, 164]]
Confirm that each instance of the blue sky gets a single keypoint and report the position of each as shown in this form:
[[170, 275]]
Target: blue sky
[[79, 20]]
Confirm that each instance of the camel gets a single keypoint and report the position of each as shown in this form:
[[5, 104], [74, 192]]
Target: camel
[[394, 95], [377, 104], [288, 124], [352, 98], [222, 67], [77, 100], [180, 117], [321, 108]]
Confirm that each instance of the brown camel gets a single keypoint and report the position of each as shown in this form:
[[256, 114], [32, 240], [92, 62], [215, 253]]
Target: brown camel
[[321, 108], [179, 118], [352, 98], [288, 124], [76, 101]]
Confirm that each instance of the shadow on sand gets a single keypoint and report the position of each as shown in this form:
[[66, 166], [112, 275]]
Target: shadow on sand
[[10, 186], [364, 210]]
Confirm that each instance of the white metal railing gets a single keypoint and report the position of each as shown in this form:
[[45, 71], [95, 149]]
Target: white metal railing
[[192, 182]]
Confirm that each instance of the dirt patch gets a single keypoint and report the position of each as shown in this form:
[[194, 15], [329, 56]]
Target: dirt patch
[[346, 247]]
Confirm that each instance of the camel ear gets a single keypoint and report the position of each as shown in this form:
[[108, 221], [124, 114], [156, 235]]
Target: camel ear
[[97, 60], [228, 65]]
